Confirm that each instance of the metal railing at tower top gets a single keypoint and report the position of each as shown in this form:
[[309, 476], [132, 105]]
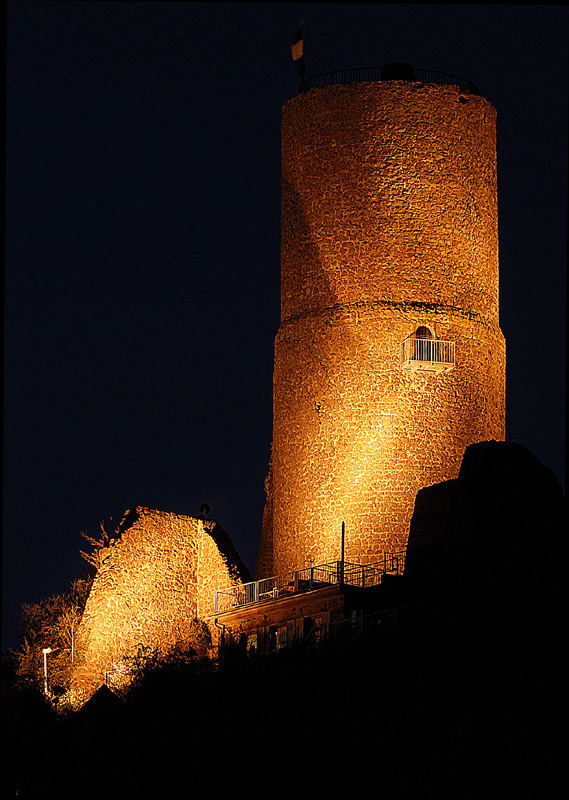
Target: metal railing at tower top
[[305, 580], [361, 74]]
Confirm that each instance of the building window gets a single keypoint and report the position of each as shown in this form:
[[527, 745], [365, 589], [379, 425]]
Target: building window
[[280, 638], [423, 332], [423, 344], [316, 628], [277, 637], [252, 644], [421, 352]]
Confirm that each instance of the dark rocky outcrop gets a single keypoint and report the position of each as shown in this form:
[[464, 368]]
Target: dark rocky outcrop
[[492, 539]]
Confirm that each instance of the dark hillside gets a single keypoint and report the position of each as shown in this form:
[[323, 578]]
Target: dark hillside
[[460, 698]]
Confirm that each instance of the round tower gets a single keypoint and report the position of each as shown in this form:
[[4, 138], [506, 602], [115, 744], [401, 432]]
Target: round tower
[[389, 359]]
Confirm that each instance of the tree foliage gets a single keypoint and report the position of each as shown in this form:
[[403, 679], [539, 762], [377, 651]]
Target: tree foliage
[[99, 546], [51, 623], [190, 655]]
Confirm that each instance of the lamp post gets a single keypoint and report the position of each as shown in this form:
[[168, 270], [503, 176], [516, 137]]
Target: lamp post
[[45, 651]]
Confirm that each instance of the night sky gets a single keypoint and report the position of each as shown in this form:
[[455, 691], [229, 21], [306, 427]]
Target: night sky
[[142, 248]]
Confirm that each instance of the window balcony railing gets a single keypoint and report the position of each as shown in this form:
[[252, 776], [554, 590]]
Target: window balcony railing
[[427, 355]]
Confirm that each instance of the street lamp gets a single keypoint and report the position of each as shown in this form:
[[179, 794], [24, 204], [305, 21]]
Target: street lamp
[[45, 651]]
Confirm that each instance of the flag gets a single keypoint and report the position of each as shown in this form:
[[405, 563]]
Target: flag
[[298, 52], [298, 45]]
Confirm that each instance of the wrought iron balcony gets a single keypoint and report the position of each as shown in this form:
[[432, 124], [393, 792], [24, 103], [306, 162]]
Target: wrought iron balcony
[[427, 355]]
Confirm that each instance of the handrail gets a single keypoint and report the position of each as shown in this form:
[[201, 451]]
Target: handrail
[[360, 74], [433, 351], [307, 579]]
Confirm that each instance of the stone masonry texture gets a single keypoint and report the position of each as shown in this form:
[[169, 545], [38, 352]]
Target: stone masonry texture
[[388, 222], [153, 589]]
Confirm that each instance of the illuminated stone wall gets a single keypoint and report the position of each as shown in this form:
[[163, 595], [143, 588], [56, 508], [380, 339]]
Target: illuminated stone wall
[[157, 578], [389, 222]]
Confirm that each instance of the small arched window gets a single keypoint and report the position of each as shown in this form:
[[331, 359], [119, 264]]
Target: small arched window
[[423, 332], [423, 349]]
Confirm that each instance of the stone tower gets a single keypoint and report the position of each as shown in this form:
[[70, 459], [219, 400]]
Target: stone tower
[[389, 359]]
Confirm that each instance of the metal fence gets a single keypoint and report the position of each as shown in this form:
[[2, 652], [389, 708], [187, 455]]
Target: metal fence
[[308, 579], [360, 74], [435, 351]]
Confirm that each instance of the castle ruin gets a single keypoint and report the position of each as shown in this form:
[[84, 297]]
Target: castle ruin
[[389, 363], [153, 589]]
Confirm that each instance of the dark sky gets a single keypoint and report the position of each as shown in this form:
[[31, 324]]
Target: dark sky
[[142, 247]]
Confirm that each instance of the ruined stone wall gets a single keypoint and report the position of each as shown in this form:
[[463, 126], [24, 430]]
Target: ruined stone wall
[[389, 222], [156, 579]]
